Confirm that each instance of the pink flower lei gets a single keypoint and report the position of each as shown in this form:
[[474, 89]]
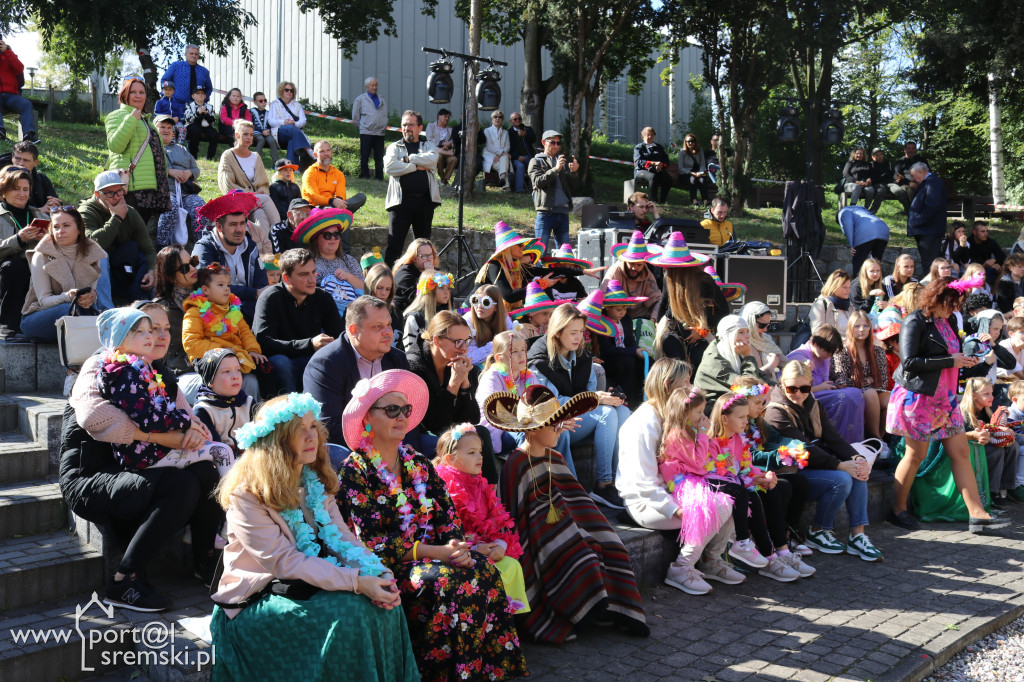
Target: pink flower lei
[[526, 377]]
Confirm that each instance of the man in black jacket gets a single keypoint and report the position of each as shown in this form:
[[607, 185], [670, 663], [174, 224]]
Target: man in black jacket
[[881, 179], [650, 165], [522, 143], [926, 221], [362, 351], [295, 318], [904, 190], [44, 196], [987, 252]]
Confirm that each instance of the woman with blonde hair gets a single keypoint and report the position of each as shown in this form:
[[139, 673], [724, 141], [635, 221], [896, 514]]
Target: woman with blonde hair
[[832, 307], [486, 318], [286, 119], [861, 364], [380, 282], [242, 169], [904, 303], [420, 256], [866, 290], [763, 348], [902, 274], [294, 573], [433, 294]]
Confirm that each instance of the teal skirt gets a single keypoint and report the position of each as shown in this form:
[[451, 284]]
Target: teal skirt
[[331, 636]]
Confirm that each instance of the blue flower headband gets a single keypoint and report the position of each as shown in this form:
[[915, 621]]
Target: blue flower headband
[[296, 405], [457, 433]]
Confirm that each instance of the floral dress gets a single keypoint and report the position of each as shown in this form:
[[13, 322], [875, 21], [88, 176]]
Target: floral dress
[[460, 620], [924, 417]]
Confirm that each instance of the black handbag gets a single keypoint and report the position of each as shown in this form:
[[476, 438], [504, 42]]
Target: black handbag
[[190, 186]]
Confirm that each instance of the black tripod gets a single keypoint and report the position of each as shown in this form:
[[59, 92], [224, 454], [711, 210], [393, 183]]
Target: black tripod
[[463, 277]]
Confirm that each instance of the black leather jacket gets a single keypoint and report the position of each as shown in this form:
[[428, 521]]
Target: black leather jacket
[[923, 354]]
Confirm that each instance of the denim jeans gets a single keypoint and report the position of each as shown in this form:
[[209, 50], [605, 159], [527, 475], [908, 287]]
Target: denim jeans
[[103, 296], [603, 424], [41, 325], [520, 172], [548, 222], [832, 487], [13, 102], [289, 371], [292, 139]]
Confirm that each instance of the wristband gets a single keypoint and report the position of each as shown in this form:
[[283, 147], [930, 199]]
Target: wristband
[[415, 545]]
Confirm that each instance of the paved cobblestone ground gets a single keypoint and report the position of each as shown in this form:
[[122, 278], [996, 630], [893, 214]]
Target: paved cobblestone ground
[[853, 620]]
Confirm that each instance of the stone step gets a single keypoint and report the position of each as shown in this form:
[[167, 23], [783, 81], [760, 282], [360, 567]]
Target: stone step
[[32, 367], [37, 569], [30, 508], [30, 437], [22, 458]]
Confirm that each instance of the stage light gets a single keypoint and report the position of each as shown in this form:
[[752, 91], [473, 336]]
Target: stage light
[[832, 128], [789, 124], [439, 83], [488, 93]]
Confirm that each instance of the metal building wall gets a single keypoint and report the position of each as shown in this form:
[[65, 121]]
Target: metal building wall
[[290, 45]]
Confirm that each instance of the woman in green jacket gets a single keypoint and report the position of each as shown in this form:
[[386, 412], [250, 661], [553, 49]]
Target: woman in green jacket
[[128, 132]]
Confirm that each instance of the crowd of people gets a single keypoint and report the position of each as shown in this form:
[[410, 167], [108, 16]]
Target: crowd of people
[[349, 442]]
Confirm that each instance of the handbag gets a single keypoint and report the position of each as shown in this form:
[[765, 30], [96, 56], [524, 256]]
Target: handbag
[[181, 224], [77, 338], [190, 186], [869, 449]]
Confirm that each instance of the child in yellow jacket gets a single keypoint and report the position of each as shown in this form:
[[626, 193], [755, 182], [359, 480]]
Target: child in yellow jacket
[[213, 319]]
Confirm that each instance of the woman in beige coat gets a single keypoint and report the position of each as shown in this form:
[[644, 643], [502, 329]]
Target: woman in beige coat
[[242, 169], [62, 266]]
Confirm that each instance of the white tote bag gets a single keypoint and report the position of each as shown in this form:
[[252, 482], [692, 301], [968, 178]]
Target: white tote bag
[[77, 339], [181, 225]]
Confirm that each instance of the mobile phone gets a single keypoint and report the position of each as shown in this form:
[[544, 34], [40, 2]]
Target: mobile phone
[[40, 223], [84, 290]]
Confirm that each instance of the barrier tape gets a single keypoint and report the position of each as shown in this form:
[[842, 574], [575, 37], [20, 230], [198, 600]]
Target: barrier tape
[[1009, 207]]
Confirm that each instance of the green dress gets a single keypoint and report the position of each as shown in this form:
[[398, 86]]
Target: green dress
[[934, 495]]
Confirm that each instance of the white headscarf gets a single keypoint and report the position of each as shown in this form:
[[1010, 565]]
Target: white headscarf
[[727, 329]]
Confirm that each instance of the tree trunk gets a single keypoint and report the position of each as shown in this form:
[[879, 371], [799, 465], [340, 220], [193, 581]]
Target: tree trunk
[[470, 120], [534, 91], [995, 139], [142, 48]]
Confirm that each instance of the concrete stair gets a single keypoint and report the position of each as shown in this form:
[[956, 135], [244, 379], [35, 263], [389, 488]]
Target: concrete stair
[[31, 368]]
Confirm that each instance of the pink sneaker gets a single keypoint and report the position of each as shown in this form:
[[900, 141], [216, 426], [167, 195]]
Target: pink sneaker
[[745, 551]]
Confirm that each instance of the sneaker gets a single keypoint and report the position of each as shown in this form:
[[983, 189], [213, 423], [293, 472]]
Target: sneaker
[[859, 545], [136, 595], [686, 578], [778, 569], [824, 541], [722, 572], [608, 496], [800, 548], [32, 137], [796, 562], [746, 552]]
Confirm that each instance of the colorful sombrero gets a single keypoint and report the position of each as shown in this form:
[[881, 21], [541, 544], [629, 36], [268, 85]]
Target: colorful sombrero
[[534, 248], [319, 220], [677, 254], [505, 237], [566, 256], [371, 258], [731, 290], [616, 295], [536, 301], [538, 407], [636, 251], [596, 322], [230, 203]]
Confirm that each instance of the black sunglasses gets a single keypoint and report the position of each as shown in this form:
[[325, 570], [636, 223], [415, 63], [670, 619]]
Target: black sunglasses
[[331, 235], [287, 89], [558, 142], [798, 389], [392, 411], [763, 325], [185, 268]]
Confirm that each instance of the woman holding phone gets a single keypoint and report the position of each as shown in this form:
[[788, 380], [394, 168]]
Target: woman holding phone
[[20, 228]]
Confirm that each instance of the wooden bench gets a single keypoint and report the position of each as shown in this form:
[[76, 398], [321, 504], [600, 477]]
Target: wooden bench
[[39, 106], [763, 196]]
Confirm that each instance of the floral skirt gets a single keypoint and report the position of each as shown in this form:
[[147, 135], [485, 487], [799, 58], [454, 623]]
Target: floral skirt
[[923, 417]]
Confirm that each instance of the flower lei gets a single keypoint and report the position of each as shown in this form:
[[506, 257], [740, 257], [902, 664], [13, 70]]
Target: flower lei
[[796, 456], [511, 384], [419, 483], [438, 279], [156, 388], [327, 531], [267, 419], [750, 391], [219, 325], [748, 472]]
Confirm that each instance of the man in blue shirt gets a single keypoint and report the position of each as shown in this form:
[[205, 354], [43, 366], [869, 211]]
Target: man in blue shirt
[[867, 233], [186, 75]]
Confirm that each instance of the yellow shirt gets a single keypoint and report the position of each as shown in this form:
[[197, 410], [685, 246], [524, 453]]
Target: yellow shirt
[[319, 187], [720, 232]]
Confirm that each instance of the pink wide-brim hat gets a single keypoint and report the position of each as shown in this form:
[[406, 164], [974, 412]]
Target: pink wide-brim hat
[[368, 391]]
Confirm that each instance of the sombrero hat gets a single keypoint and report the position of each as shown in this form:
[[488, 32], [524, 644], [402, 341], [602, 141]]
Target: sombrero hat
[[566, 256], [505, 237], [731, 290], [230, 203], [888, 331], [536, 301], [636, 251], [371, 258], [534, 248], [616, 295], [368, 391], [537, 408], [596, 321], [677, 254], [318, 221]]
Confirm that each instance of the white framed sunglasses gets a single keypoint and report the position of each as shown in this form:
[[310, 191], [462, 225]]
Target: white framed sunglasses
[[484, 302]]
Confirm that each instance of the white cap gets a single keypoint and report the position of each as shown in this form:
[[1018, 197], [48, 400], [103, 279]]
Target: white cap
[[106, 179]]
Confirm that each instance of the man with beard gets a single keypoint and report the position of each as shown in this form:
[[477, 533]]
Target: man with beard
[[631, 269], [413, 193]]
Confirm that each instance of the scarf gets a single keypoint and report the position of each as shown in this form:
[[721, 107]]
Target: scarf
[[178, 295], [839, 303], [207, 396], [482, 515], [760, 342]]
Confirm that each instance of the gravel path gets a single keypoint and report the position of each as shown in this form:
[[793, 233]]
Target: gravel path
[[996, 658]]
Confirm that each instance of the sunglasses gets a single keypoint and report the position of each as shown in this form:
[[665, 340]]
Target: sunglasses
[[287, 89], [61, 209], [496, 117], [458, 343], [261, 101], [185, 268], [392, 411], [557, 142], [763, 325], [330, 235], [516, 119], [798, 389], [485, 302]]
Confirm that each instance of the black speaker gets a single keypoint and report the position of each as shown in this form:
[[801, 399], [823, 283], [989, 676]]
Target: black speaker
[[662, 228], [765, 277]]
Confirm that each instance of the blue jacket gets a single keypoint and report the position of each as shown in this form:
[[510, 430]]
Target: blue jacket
[[861, 225], [928, 209], [331, 375], [255, 276], [179, 73], [170, 107]]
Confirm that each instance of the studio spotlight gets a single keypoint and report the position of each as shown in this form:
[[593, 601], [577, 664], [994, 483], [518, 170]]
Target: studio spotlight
[[488, 93], [832, 128], [439, 83], [789, 124]]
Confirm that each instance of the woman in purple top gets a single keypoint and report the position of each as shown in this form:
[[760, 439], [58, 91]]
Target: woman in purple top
[[844, 405]]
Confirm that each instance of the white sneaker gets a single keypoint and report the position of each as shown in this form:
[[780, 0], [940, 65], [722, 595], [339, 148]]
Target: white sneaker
[[722, 572], [800, 548], [686, 578], [746, 552], [796, 562], [778, 569]]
